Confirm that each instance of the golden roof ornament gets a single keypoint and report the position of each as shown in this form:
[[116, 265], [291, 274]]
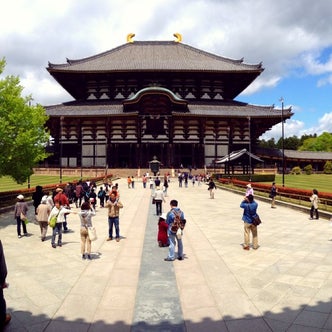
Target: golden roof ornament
[[130, 37], [178, 37]]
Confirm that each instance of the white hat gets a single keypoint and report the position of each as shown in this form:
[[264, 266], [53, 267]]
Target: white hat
[[249, 185], [20, 197], [163, 216], [44, 199], [58, 189]]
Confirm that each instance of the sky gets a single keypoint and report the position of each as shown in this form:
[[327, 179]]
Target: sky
[[292, 39]]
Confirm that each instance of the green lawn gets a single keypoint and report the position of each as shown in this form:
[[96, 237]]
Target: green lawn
[[321, 182], [7, 183]]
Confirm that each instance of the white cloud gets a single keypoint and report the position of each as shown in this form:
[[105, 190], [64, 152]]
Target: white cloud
[[285, 36]]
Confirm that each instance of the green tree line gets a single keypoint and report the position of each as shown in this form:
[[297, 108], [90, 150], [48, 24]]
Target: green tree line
[[313, 142]]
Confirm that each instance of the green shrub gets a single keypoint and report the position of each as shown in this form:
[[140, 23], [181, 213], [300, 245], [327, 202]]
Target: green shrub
[[328, 167], [308, 169], [296, 170]]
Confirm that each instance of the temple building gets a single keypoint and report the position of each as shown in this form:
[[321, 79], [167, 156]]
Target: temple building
[[155, 98]]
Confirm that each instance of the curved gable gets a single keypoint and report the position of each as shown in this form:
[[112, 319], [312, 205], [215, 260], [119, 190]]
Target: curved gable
[[155, 100]]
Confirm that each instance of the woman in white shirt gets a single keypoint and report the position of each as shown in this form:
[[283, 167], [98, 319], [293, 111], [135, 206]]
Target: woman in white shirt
[[60, 212]]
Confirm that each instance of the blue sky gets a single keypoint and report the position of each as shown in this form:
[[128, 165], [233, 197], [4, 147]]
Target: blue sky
[[293, 40]]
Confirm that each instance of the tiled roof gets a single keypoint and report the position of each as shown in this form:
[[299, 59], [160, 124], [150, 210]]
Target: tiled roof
[[155, 55], [293, 154], [231, 109]]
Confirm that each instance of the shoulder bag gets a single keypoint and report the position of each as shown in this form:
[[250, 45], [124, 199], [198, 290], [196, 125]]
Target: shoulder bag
[[92, 233]]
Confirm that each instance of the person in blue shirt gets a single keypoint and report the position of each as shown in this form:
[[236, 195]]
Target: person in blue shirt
[[249, 207], [172, 237]]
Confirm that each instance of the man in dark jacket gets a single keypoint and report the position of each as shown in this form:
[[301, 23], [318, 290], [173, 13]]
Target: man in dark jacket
[[4, 317]]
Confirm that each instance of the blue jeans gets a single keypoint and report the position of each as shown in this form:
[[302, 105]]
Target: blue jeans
[[172, 243], [57, 229], [113, 221]]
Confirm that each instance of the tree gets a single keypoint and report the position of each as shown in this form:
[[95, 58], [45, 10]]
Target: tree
[[322, 142], [290, 143], [23, 135], [267, 144]]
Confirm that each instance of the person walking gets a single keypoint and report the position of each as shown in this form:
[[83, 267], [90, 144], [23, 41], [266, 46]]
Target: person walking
[[212, 188], [64, 202], [159, 199], [37, 196], [43, 211], [59, 211], [314, 199], [165, 187], [249, 207], [21, 207], [114, 206], [86, 214], [172, 237], [4, 316], [79, 193], [273, 194]]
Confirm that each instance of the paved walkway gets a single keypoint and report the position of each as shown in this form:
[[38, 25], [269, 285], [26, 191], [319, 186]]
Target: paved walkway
[[285, 285]]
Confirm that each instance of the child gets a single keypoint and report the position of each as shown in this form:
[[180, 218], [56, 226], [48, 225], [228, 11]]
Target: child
[[162, 231]]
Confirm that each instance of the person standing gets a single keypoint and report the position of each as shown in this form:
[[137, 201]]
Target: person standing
[[85, 215], [159, 199], [249, 207], [314, 199], [101, 196], [144, 181], [162, 236], [43, 211], [59, 211], [114, 206], [171, 235], [212, 188], [249, 190], [21, 207], [129, 182], [273, 194], [4, 316]]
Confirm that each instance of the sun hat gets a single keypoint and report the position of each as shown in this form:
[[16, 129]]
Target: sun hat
[[20, 197], [163, 216], [58, 189], [249, 185], [44, 199]]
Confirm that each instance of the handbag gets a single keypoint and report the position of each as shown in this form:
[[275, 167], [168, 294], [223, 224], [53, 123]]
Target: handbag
[[23, 217], [92, 233], [53, 220], [256, 220], [153, 201]]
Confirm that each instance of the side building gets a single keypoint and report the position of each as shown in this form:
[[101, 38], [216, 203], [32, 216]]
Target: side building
[[147, 99]]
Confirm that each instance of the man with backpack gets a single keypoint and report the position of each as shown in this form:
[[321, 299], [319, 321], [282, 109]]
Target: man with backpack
[[175, 220]]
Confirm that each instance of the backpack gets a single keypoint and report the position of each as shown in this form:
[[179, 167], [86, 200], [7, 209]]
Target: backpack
[[178, 222]]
